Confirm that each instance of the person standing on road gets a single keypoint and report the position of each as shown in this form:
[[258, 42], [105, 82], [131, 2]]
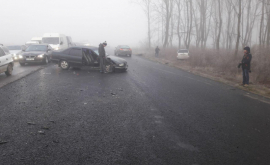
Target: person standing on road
[[245, 63], [157, 51], [102, 57]]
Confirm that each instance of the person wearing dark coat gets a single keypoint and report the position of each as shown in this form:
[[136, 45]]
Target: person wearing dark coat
[[102, 57], [245, 63], [157, 51]]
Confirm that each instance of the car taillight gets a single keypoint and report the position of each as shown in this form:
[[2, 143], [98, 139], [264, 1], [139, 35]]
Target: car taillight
[[121, 49], [130, 49]]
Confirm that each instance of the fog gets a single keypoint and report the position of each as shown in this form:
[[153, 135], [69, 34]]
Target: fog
[[91, 21]]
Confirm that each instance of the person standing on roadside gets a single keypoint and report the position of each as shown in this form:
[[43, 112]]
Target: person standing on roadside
[[245, 63], [157, 51], [102, 57]]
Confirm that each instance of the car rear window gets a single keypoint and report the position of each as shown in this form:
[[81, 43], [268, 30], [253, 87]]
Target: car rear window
[[124, 46], [183, 51]]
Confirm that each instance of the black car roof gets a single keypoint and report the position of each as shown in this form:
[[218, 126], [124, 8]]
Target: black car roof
[[39, 44]]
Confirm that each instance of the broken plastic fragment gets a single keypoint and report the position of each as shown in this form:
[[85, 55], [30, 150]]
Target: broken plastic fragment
[[3, 142], [31, 123], [41, 132]]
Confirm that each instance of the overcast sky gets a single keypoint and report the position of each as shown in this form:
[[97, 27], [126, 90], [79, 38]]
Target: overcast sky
[[93, 21]]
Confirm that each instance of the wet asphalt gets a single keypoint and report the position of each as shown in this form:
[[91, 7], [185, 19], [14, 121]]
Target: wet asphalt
[[152, 114]]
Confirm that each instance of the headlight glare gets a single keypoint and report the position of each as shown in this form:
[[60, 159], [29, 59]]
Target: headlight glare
[[40, 56], [121, 64]]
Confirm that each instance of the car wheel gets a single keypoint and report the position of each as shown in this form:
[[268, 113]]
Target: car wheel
[[64, 65], [46, 61], [9, 70], [22, 64]]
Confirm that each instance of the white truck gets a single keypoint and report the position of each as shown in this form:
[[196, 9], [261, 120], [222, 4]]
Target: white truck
[[56, 40]]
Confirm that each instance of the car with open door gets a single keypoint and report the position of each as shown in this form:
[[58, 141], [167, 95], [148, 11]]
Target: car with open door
[[80, 56], [39, 53]]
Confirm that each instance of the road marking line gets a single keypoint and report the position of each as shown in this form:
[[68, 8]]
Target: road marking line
[[267, 102], [183, 76]]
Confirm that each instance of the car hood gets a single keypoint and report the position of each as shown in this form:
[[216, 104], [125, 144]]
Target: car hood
[[117, 60], [14, 51], [34, 53]]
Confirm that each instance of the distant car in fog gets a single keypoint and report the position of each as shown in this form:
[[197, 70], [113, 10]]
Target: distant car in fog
[[28, 43], [6, 61], [123, 50], [55, 40], [38, 39], [39, 53], [183, 54], [14, 50], [80, 56]]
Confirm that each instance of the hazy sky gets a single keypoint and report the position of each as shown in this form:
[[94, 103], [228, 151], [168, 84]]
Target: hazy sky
[[93, 21]]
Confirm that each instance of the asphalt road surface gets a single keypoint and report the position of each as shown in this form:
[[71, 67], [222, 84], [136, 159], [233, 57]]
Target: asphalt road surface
[[152, 114], [18, 72]]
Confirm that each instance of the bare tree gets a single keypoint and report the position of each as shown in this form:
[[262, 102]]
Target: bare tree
[[146, 5], [168, 12], [238, 25], [220, 24]]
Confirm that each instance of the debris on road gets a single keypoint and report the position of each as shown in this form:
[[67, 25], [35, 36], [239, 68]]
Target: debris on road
[[56, 141], [31, 123], [3, 142], [41, 132], [113, 94], [85, 103], [45, 127]]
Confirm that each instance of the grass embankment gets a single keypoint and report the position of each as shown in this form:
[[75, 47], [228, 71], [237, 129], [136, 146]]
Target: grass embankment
[[221, 66]]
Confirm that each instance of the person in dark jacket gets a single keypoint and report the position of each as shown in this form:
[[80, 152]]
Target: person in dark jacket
[[245, 63], [157, 51], [102, 57]]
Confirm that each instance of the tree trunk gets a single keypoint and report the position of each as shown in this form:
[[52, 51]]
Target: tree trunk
[[238, 28], [220, 24]]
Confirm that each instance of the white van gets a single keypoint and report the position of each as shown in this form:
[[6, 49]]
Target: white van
[[38, 39], [55, 40]]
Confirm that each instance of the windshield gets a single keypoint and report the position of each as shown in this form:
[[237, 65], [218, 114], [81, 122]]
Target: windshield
[[51, 40], [36, 48], [96, 51], [14, 47], [183, 51]]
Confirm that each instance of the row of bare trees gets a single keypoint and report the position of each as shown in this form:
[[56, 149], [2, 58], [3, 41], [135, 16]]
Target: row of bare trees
[[219, 24]]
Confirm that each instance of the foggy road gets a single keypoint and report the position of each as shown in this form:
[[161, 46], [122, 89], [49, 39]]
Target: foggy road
[[151, 114], [18, 72]]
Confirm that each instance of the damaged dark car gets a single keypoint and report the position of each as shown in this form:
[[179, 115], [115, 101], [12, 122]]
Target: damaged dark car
[[86, 56]]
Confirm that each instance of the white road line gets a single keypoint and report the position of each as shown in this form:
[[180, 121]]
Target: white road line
[[267, 102]]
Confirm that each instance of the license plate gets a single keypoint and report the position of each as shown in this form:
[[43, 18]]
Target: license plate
[[30, 59]]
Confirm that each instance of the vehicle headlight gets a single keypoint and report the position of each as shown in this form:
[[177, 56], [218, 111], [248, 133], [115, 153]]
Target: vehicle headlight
[[40, 56], [121, 64], [56, 48], [20, 56]]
